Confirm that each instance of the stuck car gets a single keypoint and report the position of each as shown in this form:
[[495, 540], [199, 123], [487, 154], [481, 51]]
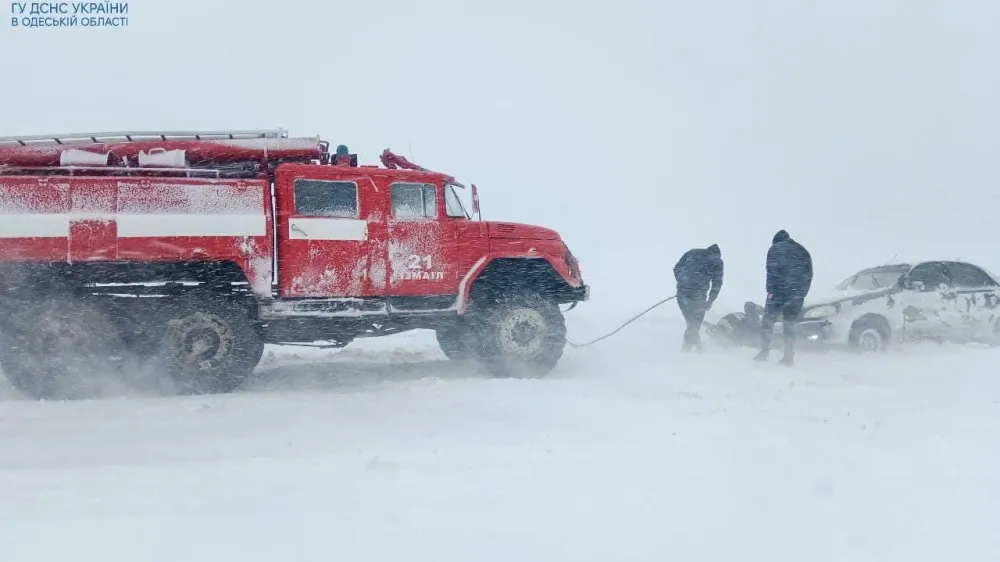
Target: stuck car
[[944, 301]]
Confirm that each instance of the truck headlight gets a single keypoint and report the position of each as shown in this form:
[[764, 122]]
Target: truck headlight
[[820, 312]]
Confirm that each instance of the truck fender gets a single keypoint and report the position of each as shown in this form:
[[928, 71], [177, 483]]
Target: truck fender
[[465, 285]]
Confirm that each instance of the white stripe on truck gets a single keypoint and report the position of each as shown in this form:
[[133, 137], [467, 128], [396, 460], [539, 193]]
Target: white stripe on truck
[[157, 225], [34, 225], [316, 228], [57, 225]]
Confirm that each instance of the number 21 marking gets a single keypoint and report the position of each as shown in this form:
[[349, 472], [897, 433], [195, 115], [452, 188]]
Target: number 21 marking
[[414, 261]]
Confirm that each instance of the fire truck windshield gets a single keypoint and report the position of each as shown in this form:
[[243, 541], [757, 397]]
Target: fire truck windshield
[[453, 203]]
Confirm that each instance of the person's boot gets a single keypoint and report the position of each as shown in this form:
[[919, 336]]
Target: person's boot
[[765, 346], [789, 357], [688, 344]]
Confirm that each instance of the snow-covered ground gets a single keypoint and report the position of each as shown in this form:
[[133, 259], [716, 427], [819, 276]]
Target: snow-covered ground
[[629, 451]]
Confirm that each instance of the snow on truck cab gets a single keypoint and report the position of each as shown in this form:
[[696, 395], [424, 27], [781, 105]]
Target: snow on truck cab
[[183, 253]]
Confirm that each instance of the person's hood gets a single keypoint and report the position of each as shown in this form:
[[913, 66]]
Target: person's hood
[[780, 236], [714, 249]]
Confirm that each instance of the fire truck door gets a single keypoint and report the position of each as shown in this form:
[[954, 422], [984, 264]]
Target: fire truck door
[[420, 241], [323, 238]]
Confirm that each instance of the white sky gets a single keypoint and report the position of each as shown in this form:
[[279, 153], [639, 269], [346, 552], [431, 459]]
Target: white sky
[[637, 129]]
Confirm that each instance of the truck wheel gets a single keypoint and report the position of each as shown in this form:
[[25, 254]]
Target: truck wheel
[[210, 345], [58, 349], [869, 334], [456, 342], [521, 336]]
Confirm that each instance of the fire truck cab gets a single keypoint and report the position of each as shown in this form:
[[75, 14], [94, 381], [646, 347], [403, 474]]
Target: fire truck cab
[[179, 255]]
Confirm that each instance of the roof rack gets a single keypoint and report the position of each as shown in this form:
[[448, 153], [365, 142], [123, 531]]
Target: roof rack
[[138, 136]]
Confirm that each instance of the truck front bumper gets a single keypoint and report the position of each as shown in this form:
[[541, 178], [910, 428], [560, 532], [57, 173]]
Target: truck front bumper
[[576, 295]]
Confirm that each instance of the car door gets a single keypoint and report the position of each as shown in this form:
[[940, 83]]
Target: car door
[[974, 296], [323, 238], [419, 242], [926, 311]]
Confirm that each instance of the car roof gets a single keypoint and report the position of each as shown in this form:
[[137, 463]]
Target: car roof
[[889, 267], [963, 262], [886, 267], [906, 265]]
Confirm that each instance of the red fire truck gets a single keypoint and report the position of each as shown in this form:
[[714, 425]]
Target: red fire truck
[[183, 253]]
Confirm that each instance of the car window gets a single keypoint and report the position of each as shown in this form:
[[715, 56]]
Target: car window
[[864, 282], [931, 274], [320, 198], [969, 276], [847, 283], [873, 279], [414, 201]]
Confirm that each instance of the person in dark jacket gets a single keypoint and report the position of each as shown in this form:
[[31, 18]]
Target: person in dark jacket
[[789, 277], [698, 271]]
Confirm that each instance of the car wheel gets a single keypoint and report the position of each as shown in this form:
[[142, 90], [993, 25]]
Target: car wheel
[[869, 335]]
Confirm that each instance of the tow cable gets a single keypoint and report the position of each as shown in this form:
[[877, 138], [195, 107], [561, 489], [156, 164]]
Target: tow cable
[[619, 328], [571, 344]]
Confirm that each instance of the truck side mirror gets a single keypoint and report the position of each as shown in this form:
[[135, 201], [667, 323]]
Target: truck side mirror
[[475, 201]]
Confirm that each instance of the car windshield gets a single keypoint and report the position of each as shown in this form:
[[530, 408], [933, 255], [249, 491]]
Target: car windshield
[[873, 279], [453, 203], [991, 274]]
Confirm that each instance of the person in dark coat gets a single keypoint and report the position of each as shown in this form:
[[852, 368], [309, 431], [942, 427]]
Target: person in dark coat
[[699, 271], [789, 277]]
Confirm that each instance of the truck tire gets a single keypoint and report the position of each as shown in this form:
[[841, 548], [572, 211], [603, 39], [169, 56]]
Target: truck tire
[[210, 344], [456, 342], [59, 348], [520, 336]]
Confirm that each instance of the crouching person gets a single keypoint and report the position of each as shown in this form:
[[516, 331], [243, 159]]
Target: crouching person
[[699, 271], [739, 328]]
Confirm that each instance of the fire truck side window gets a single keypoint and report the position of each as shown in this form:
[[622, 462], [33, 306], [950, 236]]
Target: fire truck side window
[[320, 198], [414, 201], [453, 205]]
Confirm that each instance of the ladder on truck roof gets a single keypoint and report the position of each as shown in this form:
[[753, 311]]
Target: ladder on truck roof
[[139, 136]]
